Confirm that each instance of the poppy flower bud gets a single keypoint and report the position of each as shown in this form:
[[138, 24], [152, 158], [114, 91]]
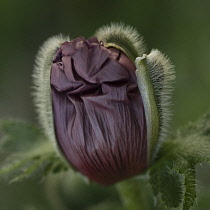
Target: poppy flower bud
[[106, 113]]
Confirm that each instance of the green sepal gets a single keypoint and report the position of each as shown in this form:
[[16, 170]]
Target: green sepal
[[150, 105], [122, 37]]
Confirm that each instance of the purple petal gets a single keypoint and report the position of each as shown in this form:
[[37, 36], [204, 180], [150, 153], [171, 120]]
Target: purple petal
[[98, 111]]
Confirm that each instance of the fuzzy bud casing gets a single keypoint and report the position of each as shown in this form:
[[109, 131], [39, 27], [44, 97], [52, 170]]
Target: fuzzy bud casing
[[106, 114]]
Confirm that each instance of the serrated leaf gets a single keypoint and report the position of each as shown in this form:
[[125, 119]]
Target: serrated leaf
[[155, 180], [171, 187], [189, 146], [29, 154], [17, 135], [190, 189], [167, 182], [34, 165]]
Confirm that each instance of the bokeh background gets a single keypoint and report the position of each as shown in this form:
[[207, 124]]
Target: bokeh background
[[179, 28]]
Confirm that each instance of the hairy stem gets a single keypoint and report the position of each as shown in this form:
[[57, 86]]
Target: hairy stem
[[133, 195]]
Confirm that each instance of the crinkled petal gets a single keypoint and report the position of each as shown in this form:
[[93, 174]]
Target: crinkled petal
[[98, 111]]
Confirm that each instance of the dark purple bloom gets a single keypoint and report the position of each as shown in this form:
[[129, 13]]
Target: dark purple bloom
[[99, 115]]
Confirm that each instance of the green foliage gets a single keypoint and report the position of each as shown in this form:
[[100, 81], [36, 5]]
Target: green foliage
[[190, 190], [25, 152], [106, 206], [18, 136], [173, 175], [171, 181], [134, 193], [165, 179]]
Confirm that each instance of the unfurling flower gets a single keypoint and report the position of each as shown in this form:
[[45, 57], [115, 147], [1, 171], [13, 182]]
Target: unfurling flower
[[106, 114]]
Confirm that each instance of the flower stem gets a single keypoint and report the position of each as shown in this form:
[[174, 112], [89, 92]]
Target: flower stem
[[133, 194]]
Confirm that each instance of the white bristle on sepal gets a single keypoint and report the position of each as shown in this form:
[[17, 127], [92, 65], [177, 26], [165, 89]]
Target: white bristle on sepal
[[124, 36], [162, 75], [41, 80]]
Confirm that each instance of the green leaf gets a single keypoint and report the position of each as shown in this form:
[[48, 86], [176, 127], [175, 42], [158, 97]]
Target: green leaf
[[190, 189], [28, 152], [171, 187], [17, 135], [175, 183], [167, 182], [155, 180]]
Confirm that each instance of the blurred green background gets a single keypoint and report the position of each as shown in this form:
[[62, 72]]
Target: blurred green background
[[181, 29]]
